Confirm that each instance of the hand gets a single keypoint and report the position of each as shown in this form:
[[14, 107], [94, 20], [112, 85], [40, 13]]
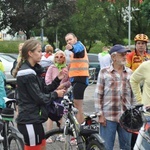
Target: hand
[[61, 87], [102, 120], [68, 46], [60, 93], [62, 74]]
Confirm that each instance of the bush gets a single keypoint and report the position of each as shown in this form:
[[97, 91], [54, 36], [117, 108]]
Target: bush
[[9, 46]]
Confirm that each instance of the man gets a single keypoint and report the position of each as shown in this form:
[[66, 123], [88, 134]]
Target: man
[[142, 73], [104, 58], [113, 95], [78, 72], [139, 55], [135, 58]]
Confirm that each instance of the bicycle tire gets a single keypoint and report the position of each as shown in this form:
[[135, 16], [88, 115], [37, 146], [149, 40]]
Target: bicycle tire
[[95, 145], [56, 144], [15, 143]]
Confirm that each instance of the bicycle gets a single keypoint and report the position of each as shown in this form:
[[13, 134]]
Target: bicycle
[[92, 76], [137, 124], [87, 135], [12, 138]]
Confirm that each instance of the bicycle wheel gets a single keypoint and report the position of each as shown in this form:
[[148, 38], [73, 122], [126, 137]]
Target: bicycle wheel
[[57, 144], [15, 143], [95, 145]]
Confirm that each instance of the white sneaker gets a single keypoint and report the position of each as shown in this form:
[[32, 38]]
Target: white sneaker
[[1, 138]]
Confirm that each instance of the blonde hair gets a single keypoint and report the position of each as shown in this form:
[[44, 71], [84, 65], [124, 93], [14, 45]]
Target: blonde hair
[[20, 45], [29, 45], [60, 52]]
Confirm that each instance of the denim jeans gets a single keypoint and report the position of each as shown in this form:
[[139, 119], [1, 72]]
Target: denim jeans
[[108, 133], [145, 144]]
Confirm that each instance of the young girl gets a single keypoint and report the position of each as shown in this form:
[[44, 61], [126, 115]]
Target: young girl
[[34, 95], [52, 72]]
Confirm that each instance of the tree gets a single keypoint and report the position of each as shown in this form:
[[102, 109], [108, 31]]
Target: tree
[[24, 15]]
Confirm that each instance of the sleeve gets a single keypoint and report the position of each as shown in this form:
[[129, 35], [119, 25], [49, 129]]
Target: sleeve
[[129, 60], [99, 57], [48, 76], [98, 97], [136, 78], [66, 81], [37, 94]]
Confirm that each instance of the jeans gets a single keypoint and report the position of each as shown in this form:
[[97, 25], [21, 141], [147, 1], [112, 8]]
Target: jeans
[[145, 144], [108, 133]]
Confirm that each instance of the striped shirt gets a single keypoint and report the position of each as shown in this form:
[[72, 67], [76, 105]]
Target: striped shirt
[[113, 93]]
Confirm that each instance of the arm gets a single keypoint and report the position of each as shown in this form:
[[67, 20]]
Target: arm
[[48, 76], [99, 91], [129, 60], [135, 81]]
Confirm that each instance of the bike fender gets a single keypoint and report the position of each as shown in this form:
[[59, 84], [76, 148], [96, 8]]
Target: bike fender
[[15, 131], [97, 137]]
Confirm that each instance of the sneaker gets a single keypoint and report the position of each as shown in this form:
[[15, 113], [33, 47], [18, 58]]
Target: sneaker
[[73, 141], [49, 140], [60, 138]]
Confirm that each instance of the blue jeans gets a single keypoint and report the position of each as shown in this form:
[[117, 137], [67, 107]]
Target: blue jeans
[[108, 133], [145, 144]]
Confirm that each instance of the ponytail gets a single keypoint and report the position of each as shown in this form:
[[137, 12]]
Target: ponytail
[[16, 68]]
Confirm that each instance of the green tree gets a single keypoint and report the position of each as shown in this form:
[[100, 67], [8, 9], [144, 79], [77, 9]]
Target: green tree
[[24, 15]]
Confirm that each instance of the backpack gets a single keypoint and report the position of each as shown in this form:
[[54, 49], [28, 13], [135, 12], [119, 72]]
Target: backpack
[[55, 111]]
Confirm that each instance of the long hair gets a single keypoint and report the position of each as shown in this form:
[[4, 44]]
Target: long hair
[[29, 45]]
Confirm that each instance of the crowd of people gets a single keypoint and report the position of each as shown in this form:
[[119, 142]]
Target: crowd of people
[[123, 81]]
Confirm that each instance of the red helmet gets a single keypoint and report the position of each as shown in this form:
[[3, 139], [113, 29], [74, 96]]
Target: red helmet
[[141, 37]]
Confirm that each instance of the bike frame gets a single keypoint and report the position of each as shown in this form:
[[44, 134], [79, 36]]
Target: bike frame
[[141, 135]]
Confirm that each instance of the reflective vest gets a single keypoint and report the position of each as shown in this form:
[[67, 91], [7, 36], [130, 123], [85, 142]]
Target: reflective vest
[[79, 66]]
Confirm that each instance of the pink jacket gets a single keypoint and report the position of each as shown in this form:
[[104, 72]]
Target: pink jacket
[[52, 73]]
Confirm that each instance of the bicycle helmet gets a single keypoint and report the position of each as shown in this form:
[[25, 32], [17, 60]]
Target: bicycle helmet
[[141, 37], [131, 120]]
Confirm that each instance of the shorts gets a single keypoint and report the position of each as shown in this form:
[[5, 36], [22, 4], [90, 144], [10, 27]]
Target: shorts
[[78, 90], [33, 133]]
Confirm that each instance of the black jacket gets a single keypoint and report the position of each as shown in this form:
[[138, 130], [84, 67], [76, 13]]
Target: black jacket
[[34, 94]]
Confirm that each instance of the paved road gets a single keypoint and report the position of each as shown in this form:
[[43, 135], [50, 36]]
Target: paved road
[[89, 107]]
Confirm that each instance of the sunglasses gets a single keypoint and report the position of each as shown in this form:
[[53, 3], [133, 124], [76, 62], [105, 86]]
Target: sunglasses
[[59, 56]]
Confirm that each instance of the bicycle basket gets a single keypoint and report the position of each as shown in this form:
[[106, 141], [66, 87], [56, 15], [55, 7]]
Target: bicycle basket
[[131, 120], [7, 114]]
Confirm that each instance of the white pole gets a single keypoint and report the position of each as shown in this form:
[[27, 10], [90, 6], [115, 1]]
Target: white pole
[[129, 25]]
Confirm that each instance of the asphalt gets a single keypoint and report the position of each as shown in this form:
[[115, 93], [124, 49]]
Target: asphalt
[[89, 108]]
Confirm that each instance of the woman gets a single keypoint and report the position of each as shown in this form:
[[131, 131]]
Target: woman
[[51, 74], [34, 95]]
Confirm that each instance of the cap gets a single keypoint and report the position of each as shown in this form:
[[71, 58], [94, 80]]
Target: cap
[[119, 49]]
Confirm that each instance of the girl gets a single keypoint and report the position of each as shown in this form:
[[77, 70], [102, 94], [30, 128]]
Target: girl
[[34, 95]]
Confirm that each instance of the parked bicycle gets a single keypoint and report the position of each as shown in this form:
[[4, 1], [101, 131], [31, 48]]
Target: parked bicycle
[[133, 120], [87, 135], [92, 76], [12, 138]]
